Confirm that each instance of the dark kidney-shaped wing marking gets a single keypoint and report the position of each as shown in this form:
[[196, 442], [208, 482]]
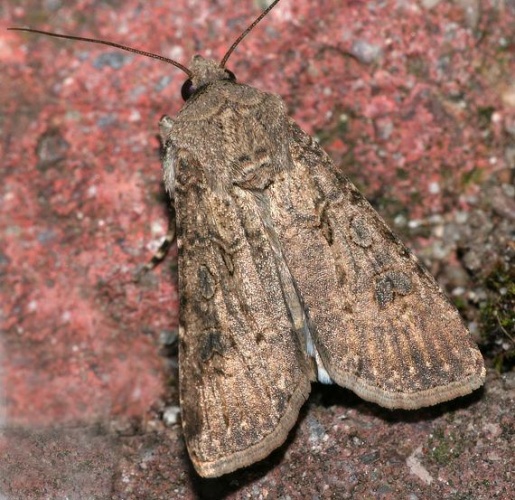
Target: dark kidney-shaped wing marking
[[379, 321]]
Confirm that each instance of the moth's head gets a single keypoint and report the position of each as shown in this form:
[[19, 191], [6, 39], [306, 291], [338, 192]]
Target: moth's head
[[202, 72]]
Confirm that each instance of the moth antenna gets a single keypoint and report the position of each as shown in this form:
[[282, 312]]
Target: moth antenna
[[110, 44], [246, 32]]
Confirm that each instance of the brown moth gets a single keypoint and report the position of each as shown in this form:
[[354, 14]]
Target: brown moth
[[288, 276]]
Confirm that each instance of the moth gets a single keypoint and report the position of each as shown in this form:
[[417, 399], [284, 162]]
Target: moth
[[287, 276]]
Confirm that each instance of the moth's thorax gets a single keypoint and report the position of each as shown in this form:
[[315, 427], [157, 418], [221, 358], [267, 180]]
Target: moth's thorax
[[225, 135], [206, 71]]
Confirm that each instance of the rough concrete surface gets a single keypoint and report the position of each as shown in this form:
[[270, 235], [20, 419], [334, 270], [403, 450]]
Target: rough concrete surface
[[414, 99]]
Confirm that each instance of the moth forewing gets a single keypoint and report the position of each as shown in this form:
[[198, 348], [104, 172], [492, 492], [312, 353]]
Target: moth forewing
[[244, 372], [284, 265], [380, 322]]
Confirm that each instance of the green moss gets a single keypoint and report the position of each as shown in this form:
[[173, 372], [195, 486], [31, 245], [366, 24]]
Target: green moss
[[498, 317], [418, 66], [460, 303], [402, 174], [473, 176], [484, 116], [340, 129], [444, 448]]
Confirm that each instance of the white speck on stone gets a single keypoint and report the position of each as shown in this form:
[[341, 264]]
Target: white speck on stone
[[509, 190], [176, 52], [462, 217], [157, 228], [66, 316], [416, 467], [135, 116], [171, 415], [366, 52], [473, 327], [434, 187], [438, 231], [400, 221], [496, 117], [508, 96], [343, 118], [458, 291]]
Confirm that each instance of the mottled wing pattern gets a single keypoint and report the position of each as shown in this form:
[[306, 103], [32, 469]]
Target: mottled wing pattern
[[283, 263], [379, 321], [244, 373]]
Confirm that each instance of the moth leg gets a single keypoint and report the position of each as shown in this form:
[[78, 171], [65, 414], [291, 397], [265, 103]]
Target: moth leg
[[163, 249]]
